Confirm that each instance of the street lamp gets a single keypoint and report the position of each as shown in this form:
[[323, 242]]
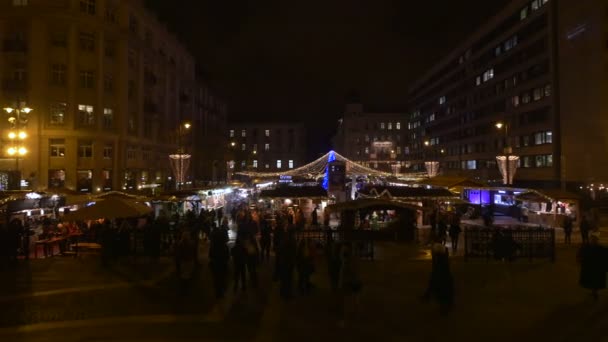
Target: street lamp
[[181, 160], [431, 166], [507, 163], [17, 118]]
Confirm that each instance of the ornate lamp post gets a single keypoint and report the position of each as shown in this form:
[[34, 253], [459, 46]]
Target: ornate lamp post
[[17, 118], [507, 163], [431, 166], [180, 161]]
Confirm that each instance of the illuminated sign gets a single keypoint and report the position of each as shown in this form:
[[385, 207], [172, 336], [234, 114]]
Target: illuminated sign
[[383, 144]]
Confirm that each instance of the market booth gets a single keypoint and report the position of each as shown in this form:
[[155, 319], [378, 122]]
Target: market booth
[[306, 198], [180, 202], [423, 198], [549, 207]]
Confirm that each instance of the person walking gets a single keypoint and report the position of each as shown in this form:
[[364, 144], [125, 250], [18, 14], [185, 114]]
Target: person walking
[[252, 259], [442, 230], [334, 263], [185, 255], [286, 264], [315, 217], [567, 230], [351, 284], [219, 256], [585, 228], [305, 266], [593, 259], [239, 259], [441, 283], [455, 234], [265, 240]]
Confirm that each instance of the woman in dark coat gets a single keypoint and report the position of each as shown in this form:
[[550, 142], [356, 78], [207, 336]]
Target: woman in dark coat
[[593, 260], [441, 283]]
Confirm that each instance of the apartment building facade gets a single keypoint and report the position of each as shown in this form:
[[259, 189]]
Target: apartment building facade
[[266, 147], [539, 69], [376, 139], [110, 87]]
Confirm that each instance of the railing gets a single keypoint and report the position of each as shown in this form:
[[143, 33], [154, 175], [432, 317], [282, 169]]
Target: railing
[[362, 240], [509, 243]]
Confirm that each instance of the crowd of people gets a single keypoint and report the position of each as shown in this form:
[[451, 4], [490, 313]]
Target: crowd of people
[[258, 235]]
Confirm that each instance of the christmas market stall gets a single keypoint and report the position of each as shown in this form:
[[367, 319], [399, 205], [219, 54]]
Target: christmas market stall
[[549, 207], [305, 199]]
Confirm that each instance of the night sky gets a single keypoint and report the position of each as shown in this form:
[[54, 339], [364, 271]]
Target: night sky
[[296, 60]]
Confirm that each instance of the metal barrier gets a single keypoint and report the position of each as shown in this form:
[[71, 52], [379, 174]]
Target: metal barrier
[[509, 243], [362, 240]]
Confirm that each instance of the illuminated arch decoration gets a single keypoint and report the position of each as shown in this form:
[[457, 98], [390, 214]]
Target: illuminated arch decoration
[[180, 164], [318, 169], [507, 169]]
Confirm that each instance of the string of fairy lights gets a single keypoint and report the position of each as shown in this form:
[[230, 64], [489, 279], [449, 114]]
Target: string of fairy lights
[[318, 167]]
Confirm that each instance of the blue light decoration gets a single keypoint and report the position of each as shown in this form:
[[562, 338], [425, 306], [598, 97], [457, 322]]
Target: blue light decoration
[[331, 157]]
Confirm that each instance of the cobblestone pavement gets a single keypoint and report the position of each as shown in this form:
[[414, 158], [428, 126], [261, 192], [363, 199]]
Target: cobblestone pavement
[[67, 299]]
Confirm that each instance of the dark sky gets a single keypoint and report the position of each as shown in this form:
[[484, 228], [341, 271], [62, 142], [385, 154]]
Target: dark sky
[[286, 60]]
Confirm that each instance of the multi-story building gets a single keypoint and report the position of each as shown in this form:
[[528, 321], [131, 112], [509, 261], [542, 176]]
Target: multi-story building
[[209, 138], [539, 68], [266, 147], [375, 139], [110, 88]]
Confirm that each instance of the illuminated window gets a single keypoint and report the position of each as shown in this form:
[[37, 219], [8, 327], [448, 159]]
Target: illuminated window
[[255, 147], [523, 14], [291, 164], [255, 164], [243, 133], [108, 118], [266, 147], [57, 114], [390, 125], [442, 100], [398, 125], [267, 166], [57, 147], [19, 2], [515, 100], [243, 164], [108, 151], [232, 133], [488, 75], [278, 164], [86, 115], [367, 150], [243, 147], [382, 125], [267, 132]]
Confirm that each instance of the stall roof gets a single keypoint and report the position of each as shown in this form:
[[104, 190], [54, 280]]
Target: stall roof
[[403, 192], [373, 203], [295, 192], [452, 182], [548, 195]]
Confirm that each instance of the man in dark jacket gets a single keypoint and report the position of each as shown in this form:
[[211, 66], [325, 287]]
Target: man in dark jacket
[[593, 259], [218, 260]]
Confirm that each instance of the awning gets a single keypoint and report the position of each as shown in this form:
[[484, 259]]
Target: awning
[[452, 182], [408, 193], [110, 208], [548, 195], [295, 192], [373, 203]]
